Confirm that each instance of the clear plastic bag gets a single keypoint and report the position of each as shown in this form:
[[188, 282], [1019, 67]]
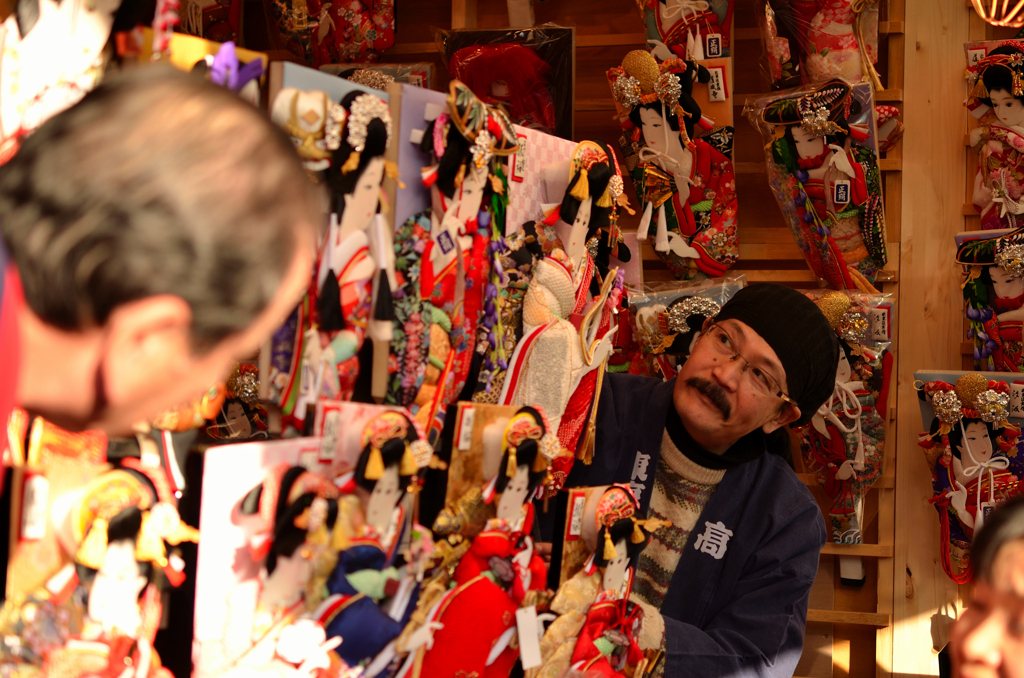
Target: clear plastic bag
[[528, 71], [844, 442], [822, 158], [811, 41], [665, 319]]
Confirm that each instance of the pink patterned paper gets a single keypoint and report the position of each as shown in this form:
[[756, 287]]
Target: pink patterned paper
[[526, 196]]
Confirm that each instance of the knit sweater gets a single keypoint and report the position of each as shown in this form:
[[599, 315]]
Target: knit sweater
[[682, 489]]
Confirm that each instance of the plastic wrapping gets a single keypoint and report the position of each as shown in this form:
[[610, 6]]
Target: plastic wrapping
[[329, 32], [660, 339], [418, 74], [997, 133], [822, 158], [971, 443], [529, 72], [702, 27], [811, 41], [843, 444], [685, 183], [993, 289]]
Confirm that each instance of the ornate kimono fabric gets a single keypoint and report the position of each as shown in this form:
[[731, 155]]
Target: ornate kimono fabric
[[320, 32], [823, 168], [844, 443], [996, 99], [974, 455], [679, 24]]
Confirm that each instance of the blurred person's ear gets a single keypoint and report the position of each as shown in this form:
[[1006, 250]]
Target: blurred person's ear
[[147, 345]]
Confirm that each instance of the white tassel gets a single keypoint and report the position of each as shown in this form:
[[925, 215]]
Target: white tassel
[[661, 239], [645, 222]]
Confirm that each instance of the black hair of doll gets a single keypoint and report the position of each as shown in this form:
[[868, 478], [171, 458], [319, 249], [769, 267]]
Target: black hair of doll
[[621, 529], [392, 453], [598, 178], [526, 453], [999, 77], [691, 107], [374, 147]]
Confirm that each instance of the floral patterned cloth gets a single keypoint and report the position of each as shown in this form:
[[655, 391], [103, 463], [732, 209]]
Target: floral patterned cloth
[[335, 31], [1001, 148]]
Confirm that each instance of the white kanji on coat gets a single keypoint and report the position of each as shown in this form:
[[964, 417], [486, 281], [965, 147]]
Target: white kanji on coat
[[640, 466], [714, 540]]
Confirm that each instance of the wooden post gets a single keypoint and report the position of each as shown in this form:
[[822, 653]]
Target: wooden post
[[930, 301], [464, 14]]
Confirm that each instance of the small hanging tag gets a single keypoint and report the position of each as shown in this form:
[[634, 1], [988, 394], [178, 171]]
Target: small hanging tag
[[881, 322], [713, 45], [1017, 400], [984, 509], [717, 90], [529, 636], [445, 242], [331, 435], [518, 161], [975, 55], [841, 192], [577, 506], [466, 427]]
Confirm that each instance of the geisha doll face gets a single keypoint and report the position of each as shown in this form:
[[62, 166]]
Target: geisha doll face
[[844, 372], [659, 136], [361, 203], [1005, 285], [499, 89], [615, 570], [471, 193], [807, 145], [514, 496], [1009, 109], [237, 423], [386, 494], [977, 444], [114, 595]]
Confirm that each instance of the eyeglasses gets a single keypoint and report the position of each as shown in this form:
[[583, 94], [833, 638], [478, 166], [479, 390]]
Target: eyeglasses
[[762, 382]]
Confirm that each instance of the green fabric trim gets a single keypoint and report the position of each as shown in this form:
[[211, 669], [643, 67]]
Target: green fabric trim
[[618, 369], [441, 318], [702, 206], [605, 646]]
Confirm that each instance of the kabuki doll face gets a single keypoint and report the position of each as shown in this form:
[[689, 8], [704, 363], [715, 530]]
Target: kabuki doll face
[[1009, 109], [659, 135]]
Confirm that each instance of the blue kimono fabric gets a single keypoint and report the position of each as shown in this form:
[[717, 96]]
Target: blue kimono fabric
[[738, 611]]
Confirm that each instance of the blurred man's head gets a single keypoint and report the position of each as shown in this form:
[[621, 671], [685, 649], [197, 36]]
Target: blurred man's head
[[988, 639], [162, 228]]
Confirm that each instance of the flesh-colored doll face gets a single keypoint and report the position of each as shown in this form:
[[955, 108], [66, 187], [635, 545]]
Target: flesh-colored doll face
[[238, 423], [1005, 285], [844, 371], [472, 191], [514, 496], [499, 88], [988, 640], [615, 570], [114, 596], [977, 443], [361, 203], [1009, 109], [384, 498], [659, 135], [807, 146]]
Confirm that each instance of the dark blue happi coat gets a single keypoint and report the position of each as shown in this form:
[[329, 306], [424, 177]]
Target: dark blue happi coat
[[736, 611]]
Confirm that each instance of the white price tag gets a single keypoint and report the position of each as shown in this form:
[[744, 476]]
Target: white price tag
[[717, 90], [1017, 401], [33, 507], [466, 428], [332, 431], [881, 318], [579, 503], [975, 55], [529, 636]]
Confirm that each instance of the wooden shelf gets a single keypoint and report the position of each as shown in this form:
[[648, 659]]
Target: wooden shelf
[[886, 482], [884, 28], [861, 550], [840, 617]]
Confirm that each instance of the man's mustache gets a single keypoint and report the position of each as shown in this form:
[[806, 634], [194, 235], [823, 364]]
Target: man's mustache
[[714, 392]]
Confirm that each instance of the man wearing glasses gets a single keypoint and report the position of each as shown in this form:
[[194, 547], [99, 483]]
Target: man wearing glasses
[[724, 590]]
